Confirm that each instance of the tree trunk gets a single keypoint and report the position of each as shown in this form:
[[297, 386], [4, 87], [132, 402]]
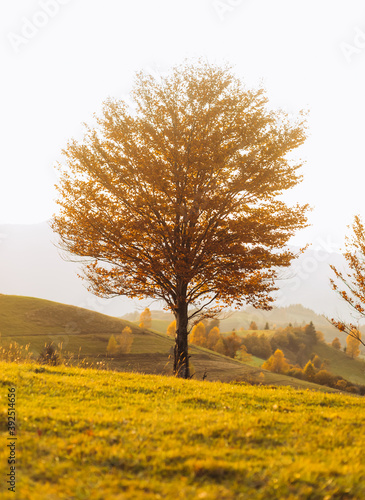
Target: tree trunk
[[181, 356]]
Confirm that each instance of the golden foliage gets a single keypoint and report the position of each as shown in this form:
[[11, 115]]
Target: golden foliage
[[353, 344], [213, 337], [171, 329], [112, 346], [198, 335], [145, 319], [125, 341], [277, 363], [177, 199]]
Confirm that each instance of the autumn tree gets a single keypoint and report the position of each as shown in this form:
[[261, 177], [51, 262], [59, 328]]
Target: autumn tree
[[198, 335], [353, 344], [232, 344], [177, 197], [253, 325], [336, 343], [316, 360], [256, 345], [309, 371], [220, 347], [171, 329], [311, 333], [243, 355], [213, 337], [125, 341], [351, 284], [277, 363], [145, 318], [112, 345]]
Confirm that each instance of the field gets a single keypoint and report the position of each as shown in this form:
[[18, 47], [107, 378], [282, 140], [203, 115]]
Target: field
[[86, 434]]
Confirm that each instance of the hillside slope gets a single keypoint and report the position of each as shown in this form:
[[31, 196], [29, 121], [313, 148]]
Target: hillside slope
[[87, 434], [37, 321]]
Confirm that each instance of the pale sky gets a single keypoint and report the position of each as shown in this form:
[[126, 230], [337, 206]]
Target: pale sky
[[61, 59]]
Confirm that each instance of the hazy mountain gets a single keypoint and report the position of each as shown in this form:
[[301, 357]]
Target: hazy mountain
[[30, 264]]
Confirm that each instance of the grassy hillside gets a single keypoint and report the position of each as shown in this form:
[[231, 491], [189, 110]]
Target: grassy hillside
[[341, 364], [39, 321], [21, 316], [84, 434]]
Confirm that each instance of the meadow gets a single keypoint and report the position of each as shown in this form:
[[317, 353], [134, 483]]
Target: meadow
[[86, 434]]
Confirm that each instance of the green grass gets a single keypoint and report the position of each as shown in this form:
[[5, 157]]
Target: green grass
[[160, 325], [341, 364], [84, 434]]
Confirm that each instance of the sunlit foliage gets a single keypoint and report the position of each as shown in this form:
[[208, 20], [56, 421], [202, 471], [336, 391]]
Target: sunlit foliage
[[353, 344], [277, 363], [171, 329], [145, 319], [177, 197]]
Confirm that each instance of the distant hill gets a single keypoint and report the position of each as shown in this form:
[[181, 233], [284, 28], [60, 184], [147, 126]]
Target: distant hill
[[279, 317], [341, 364]]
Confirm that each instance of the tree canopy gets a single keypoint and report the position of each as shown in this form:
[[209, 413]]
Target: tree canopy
[[178, 196]]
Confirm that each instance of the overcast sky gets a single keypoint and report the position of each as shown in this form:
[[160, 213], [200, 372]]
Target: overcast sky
[[61, 59]]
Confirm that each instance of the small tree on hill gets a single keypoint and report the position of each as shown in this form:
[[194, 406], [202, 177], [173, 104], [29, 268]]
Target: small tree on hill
[[112, 346], [277, 363], [232, 344], [145, 319], [198, 335], [253, 325], [353, 344], [309, 371], [311, 333], [213, 337], [125, 341], [267, 326], [171, 329], [220, 347], [336, 343], [317, 362], [243, 355]]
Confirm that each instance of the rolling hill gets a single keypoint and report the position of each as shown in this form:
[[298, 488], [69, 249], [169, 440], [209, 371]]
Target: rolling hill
[[35, 321]]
